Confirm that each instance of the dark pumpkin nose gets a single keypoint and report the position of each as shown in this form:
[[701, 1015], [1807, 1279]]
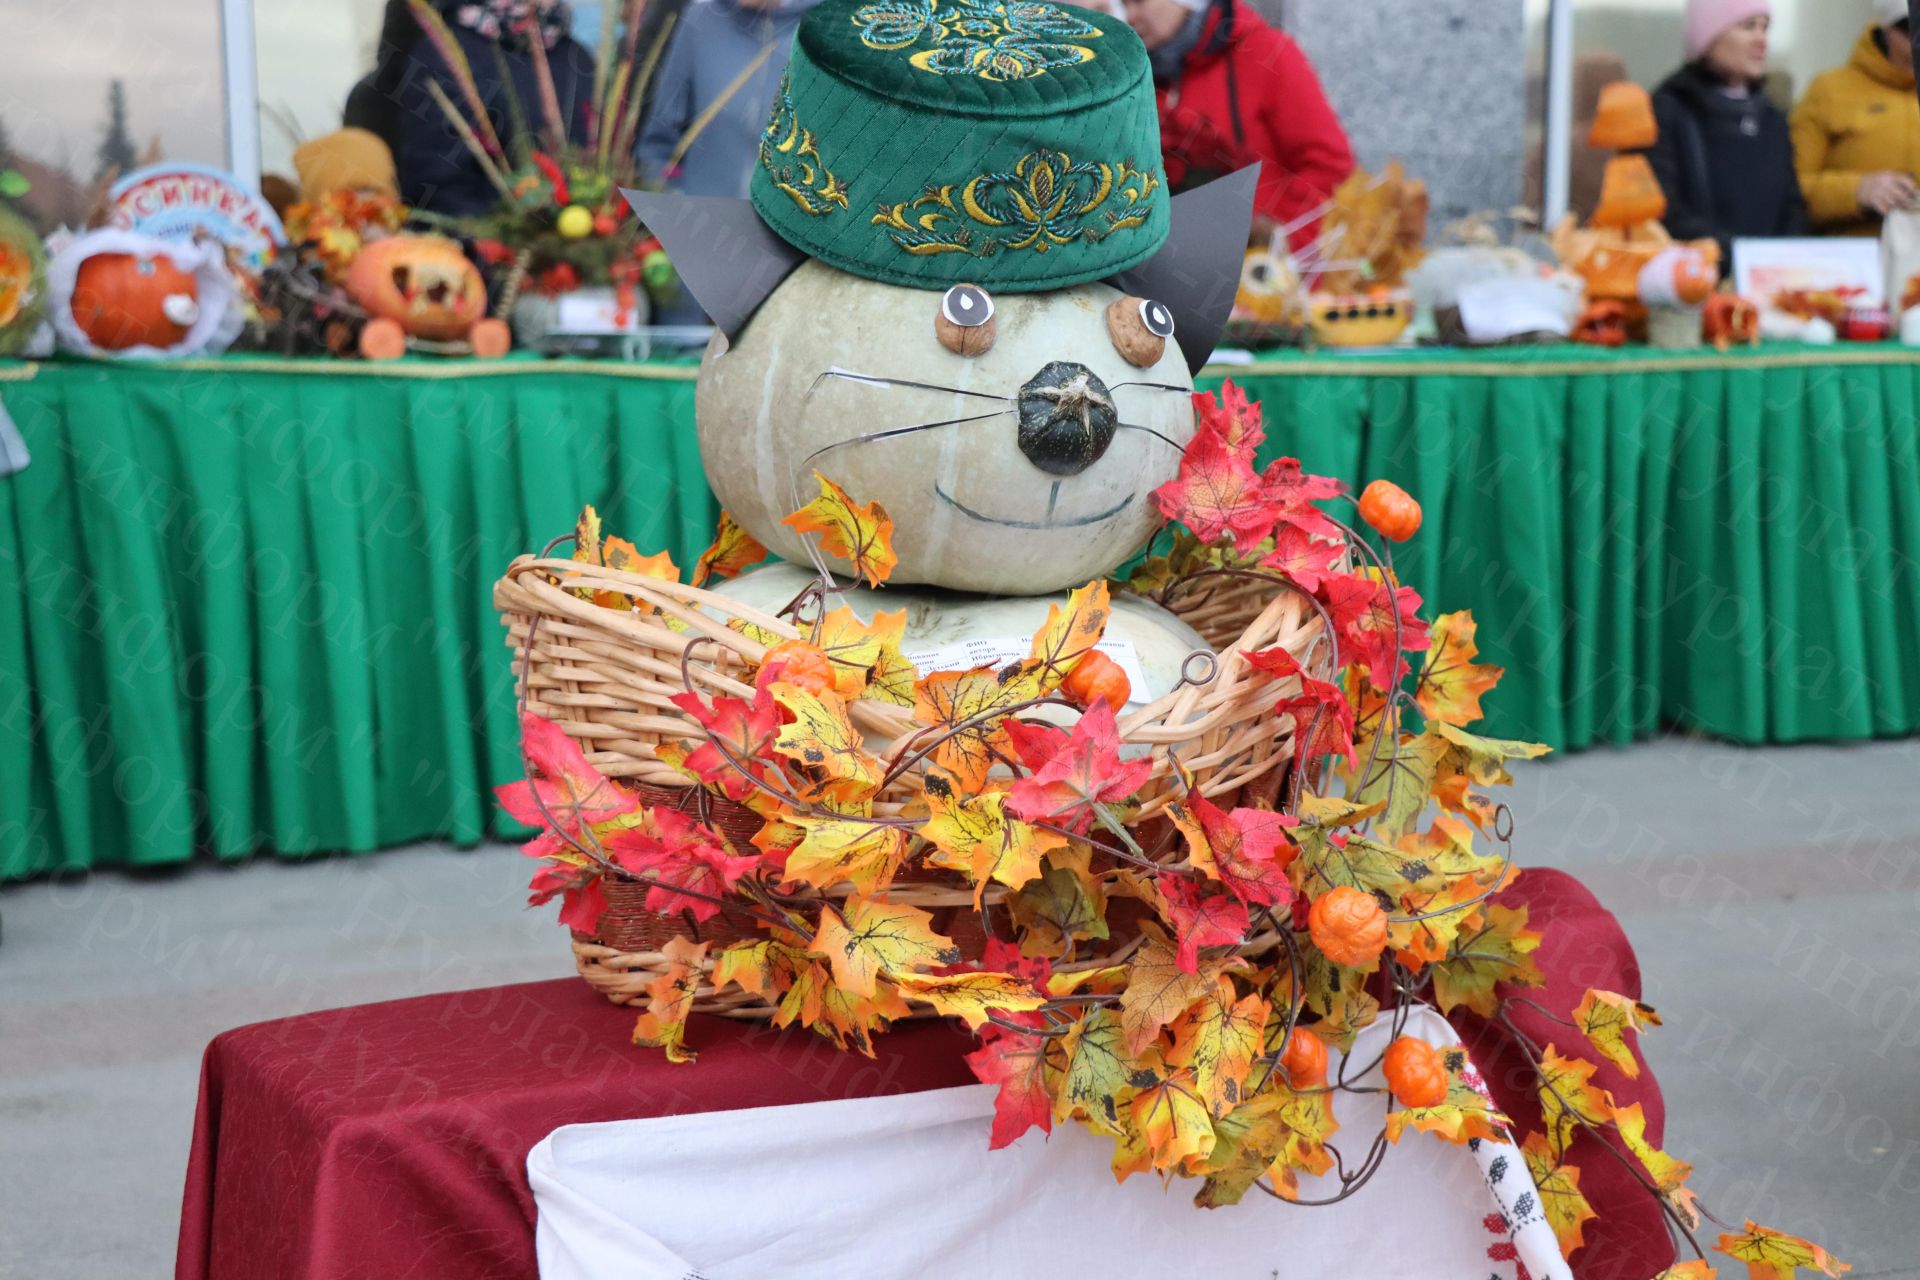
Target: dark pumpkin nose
[[1066, 418]]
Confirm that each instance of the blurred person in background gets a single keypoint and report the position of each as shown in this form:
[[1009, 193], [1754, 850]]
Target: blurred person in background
[[721, 71], [437, 172], [1233, 90], [1856, 135], [1725, 154], [373, 102]]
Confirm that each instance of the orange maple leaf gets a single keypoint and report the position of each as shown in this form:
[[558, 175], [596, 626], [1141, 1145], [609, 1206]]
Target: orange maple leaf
[[1451, 683], [860, 535], [733, 550]]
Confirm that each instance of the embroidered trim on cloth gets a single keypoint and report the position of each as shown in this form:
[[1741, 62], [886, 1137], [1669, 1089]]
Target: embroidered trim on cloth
[[806, 180], [1049, 199], [992, 39]]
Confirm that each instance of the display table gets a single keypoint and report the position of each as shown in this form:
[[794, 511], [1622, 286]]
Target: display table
[[391, 1140], [251, 598]]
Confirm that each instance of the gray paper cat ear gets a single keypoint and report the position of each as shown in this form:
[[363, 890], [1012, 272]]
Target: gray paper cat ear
[[1197, 273], [727, 258]]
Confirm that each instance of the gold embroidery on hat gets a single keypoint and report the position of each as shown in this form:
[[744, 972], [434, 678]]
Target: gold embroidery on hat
[[993, 39], [792, 157], [1048, 200]]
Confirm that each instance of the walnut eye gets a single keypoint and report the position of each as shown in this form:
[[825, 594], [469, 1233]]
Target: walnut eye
[[1140, 329], [965, 323]]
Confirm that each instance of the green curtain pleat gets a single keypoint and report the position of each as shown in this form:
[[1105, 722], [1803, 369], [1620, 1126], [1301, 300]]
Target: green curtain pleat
[[248, 607]]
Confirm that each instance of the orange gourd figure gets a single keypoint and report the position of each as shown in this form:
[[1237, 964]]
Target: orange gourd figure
[[1624, 120], [1415, 1072], [1349, 927], [1730, 319], [1630, 194], [125, 300], [422, 287]]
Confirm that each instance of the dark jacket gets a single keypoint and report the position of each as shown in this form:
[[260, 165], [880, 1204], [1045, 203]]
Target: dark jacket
[[437, 173], [1726, 164], [371, 104]]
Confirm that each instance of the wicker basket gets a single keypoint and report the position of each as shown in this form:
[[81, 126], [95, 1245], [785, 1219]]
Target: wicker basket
[[607, 677]]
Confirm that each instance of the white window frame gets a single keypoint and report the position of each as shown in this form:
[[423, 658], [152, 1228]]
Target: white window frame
[[1557, 162], [240, 62]]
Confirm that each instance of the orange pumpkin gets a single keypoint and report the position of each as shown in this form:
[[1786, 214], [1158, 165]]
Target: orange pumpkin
[[1415, 1072], [1694, 279], [1098, 678], [801, 665], [1391, 510], [1305, 1059], [1603, 325], [1630, 194], [1730, 319], [1624, 119], [125, 300], [423, 283], [1349, 927]]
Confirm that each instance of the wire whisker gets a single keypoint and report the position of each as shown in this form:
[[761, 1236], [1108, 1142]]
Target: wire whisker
[[874, 380], [1170, 441]]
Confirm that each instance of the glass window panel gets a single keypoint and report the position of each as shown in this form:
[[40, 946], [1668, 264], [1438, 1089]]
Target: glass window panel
[[310, 56]]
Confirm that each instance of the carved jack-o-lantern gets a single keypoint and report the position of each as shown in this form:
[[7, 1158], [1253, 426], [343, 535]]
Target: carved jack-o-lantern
[[22, 282], [423, 283], [126, 300]]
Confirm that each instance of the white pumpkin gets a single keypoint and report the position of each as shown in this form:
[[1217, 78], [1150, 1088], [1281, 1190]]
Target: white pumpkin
[[978, 504], [1140, 634]]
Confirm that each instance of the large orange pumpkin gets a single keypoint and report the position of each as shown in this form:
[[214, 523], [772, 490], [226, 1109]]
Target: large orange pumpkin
[[125, 300], [1629, 194], [423, 283], [1624, 119]]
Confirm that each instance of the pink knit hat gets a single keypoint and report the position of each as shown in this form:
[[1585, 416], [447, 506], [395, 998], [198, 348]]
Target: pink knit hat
[[1708, 20]]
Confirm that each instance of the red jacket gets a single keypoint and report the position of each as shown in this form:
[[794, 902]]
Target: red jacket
[[1282, 118]]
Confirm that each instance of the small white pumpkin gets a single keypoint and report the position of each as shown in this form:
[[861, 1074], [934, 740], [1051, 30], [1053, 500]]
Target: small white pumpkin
[[1030, 471]]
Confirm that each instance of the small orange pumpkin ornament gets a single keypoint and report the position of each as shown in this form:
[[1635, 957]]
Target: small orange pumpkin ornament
[[1730, 319], [422, 283], [1604, 324], [1098, 678], [1630, 194], [1391, 510], [1305, 1059], [1349, 927], [1624, 120], [1415, 1072], [802, 666], [125, 300]]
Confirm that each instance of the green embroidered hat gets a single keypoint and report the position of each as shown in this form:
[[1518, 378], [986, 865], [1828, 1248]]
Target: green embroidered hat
[[1012, 143]]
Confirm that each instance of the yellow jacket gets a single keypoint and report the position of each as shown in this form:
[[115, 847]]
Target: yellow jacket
[[1858, 119]]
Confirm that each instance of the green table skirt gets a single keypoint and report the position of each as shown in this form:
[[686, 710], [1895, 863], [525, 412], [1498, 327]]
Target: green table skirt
[[245, 605]]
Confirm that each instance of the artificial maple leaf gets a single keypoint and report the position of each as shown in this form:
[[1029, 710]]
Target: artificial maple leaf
[[1322, 716], [1217, 1040], [1497, 950], [848, 849], [1065, 906], [1385, 626], [865, 939], [733, 551], [1247, 850], [823, 739], [763, 966], [1568, 1097], [564, 794], [586, 543], [1605, 1017], [1158, 991], [740, 736], [1558, 1185], [860, 535], [1484, 760], [1279, 1134], [851, 1021], [1098, 1071], [1465, 1114], [863, 653], [1200, 919], [1341, 860], [1017, 1061], [975, 835], [971, 996], [970, 708], [1304, 560], [1668, 1174], [1451, 684], [670, 999], [1775, 1255], [679, 854], [1217, 494], [1698, 1269], [1170, 1114], [1333, 811], [1084, 778], [1108, 980], [581, 890], [1071, 633], [1231, 417], [1398, 776], [1293, 493]]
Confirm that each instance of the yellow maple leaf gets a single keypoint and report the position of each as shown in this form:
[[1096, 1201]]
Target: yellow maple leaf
[[1566, 1209], [866, 939], [1172, 1118], [1568, 1096], [866, 656], [975, 835], [670, 999], [1775, 1255], [971, 996], [761, 967], [845, 850], [1464, 1115], [1451, 683], [1217, 1040], [978, 700], [1667, 1173], [1698, 1269], [822, 738], [862, 536], [1158, 991], [1070, 633], [733, 550], [1604, 1017], [1099, 1072]]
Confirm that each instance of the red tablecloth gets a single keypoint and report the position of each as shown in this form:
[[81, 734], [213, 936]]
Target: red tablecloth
[[390, 1140]]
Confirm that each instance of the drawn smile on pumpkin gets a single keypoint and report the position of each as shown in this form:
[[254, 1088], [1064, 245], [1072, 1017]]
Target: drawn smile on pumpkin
[[1051, 522]]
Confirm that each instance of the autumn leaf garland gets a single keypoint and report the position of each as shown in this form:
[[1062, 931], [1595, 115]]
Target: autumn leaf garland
[[1116, 986]]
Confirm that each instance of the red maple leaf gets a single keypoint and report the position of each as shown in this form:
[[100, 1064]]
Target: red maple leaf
[[746, 729], [1234, 419], [1016, 1061], [1251, 851], [564, 794], [1216, 494], [1322, 716], [1001, 956], [1305, 560], [1367, 639], [1035, 743], [1200, 919], [1292, 493], [682, 855], [583, 899], [1084, 773]]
